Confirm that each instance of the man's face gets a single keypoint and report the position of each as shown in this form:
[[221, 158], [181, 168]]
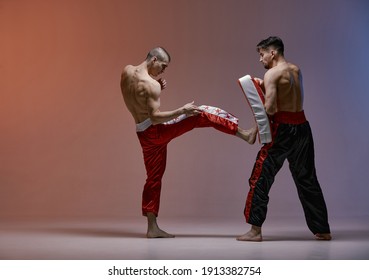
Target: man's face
[[159, 66], [266, 57]]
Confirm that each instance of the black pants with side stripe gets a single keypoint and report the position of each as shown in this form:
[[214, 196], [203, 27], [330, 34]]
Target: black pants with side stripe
[[293, 142]]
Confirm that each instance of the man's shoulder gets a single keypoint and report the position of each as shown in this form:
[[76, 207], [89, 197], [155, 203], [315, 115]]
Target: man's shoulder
[[280, 70], [128, 69], [152, 86], [273, 73], [293, 66]]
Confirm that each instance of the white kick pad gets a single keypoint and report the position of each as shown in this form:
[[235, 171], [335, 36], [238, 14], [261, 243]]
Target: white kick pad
[[255, 98]]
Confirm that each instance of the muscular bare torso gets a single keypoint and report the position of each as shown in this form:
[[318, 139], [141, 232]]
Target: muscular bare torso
[[135, 85], [286, 82]]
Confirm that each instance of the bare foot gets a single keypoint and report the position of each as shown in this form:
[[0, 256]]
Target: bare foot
[[153, 230], [158, 233], [254, 234], [248, 135], [323, 236]]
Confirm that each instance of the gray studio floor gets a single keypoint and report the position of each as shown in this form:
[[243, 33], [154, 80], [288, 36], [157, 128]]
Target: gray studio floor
[[196, 239]]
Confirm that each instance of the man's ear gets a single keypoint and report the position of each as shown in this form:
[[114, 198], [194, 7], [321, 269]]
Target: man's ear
[[273, 52]]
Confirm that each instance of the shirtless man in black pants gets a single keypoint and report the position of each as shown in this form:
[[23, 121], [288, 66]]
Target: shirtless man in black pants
[[292, 140]]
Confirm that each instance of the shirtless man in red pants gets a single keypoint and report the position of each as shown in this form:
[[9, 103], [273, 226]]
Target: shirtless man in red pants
[[155, 129]]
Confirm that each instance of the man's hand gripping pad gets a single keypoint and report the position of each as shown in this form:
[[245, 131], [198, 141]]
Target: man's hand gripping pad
[[255, 98]]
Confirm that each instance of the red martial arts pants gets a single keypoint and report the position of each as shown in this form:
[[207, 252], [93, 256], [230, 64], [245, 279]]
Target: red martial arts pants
[[154, 140]]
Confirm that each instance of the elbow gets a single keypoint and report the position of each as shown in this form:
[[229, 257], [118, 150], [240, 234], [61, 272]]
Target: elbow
[[270, 110], [154, 119]]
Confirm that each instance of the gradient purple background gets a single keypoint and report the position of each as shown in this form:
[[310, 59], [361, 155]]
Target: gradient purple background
[[68, 144]]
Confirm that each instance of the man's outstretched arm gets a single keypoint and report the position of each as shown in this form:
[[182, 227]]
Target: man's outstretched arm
[[153, 105]]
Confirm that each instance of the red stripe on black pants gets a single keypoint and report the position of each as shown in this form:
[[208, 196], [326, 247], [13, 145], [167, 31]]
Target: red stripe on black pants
[[293, 142]]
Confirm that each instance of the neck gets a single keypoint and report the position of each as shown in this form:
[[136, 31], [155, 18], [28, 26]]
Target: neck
[[279, 60], [143, 67]]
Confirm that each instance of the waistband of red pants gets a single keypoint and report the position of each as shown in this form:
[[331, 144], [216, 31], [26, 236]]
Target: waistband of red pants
[[289, 117]]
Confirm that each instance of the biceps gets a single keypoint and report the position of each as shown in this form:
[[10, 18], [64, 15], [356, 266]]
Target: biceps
[[270, 95]]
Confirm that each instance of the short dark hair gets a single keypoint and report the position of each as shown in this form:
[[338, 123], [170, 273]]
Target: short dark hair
[[272, 41], [159, 52]]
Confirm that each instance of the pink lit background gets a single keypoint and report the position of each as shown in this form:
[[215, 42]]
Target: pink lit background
[[68, 144]]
